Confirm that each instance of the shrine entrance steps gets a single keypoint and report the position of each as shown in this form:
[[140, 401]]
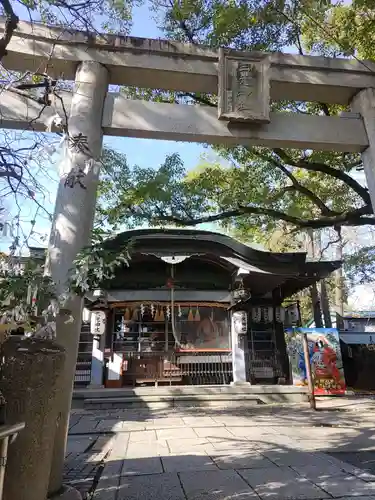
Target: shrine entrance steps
[[187, 396]]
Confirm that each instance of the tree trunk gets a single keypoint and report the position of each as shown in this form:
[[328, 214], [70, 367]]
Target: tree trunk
[[339, 279], [315, 299], [316, 306], [325, 305]]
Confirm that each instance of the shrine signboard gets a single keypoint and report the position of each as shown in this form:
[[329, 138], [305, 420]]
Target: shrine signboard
[[244, 87], [325, 359]]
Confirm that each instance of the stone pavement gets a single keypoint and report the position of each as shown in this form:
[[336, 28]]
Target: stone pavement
[[262, 452]]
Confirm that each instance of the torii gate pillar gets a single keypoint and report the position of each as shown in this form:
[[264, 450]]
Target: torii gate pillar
[[364, 103], [72, 225]]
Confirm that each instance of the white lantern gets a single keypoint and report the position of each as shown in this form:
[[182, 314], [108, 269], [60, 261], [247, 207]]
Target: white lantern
[[98, 322], [240, 322]]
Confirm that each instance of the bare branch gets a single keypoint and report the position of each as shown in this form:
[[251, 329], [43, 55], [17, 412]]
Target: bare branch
[[11, 24]]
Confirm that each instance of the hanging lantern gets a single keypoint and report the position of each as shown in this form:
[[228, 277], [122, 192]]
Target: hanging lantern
[[168, 312], [179, 311], [152, 308], [161, 316], [280, 314], [157, 315], [197, 315], [190, 315], [267, 314], [256, 314], [142, 310]]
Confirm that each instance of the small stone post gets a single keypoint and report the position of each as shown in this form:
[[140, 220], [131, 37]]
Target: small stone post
[[72, 224]]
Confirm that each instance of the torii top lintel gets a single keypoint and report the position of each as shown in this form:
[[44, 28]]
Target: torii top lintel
[[155, 63]]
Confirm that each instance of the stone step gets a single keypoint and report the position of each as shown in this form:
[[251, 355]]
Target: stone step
[[160, 398], [187, 396], [174, 391], [161, 402]]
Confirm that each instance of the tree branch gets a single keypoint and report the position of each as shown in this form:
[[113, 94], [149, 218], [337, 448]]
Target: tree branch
[[352, 218], [11, 23], [324, 209], [326, 169]]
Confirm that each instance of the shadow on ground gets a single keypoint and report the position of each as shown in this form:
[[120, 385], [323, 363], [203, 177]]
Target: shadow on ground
[[215, 453]]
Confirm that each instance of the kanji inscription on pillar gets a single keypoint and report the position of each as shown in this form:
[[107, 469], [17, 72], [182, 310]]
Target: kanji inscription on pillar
[[244, 87]]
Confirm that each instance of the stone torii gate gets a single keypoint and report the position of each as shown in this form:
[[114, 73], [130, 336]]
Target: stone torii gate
[[244, 83]]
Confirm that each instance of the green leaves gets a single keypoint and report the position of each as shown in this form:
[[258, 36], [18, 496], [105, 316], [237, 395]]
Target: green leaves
[[342, 29], [115, 15], [243, 24], [360, 266]]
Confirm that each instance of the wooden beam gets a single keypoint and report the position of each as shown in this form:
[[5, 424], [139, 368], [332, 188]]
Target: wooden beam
[[170, 65], [128, 118]]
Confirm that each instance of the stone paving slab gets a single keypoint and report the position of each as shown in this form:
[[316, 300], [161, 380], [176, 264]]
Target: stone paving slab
[[213, 432], [109, 425], [176, 433], [242, 461], [153, 487], [120, 446], [143, 436], [235, 444], [166, 423], [181, 463], [296, 458], [84, 426], [318, 472], [281, 483], [78, 445], [247, 431], [215, 485], [138, 466], [112, 468], [226, 454], [189, 445], [107, 489], [201, 421], [145, 450], [346, 485]]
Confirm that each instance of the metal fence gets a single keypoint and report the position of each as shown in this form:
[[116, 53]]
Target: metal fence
[[82, 375], [7, 434], [180, 368], [264, 367]]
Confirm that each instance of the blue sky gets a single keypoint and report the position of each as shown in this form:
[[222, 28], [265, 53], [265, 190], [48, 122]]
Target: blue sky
[[147, 152], [142, 152]]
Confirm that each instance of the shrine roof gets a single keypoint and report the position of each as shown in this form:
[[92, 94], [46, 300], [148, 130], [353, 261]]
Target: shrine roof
[[191, 242]]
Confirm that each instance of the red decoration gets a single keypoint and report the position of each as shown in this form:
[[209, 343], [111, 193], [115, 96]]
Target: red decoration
[[170, 283]]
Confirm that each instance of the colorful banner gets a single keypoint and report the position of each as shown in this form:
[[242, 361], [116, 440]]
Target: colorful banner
[[325, 359]]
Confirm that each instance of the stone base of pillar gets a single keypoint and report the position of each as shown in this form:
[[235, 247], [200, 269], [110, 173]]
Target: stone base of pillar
[[241, 383], [66, 493]]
